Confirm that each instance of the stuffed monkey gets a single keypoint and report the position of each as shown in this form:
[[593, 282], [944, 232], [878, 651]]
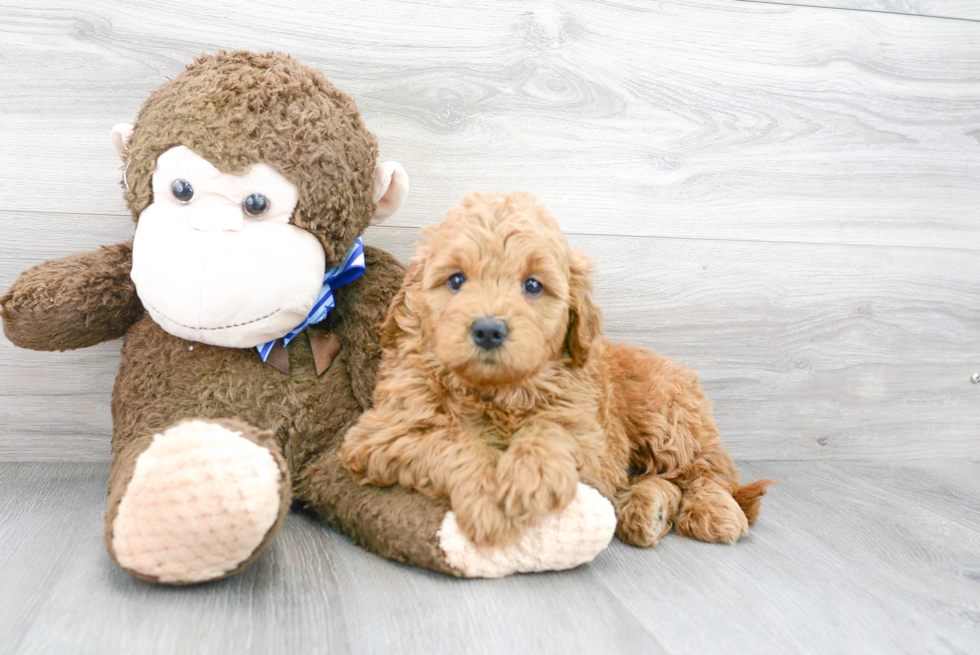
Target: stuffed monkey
[[251, 313]]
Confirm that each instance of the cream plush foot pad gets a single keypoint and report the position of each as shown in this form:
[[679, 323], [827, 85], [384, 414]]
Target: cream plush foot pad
[[200, 501], [562, 540]]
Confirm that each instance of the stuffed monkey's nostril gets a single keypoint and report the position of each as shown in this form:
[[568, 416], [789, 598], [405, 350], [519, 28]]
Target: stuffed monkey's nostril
[[489, 332]]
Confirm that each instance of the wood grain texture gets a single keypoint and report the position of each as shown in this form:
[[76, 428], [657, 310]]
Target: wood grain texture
[[696, 118], [960, 9], [807, 351], [785, 197], [842, 561]]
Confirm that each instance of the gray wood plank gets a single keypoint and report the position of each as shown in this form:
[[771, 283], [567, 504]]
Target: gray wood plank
[[837, 564], [834, 566], [694, 118], [950, 489], [807, 351], [959, 9], [44, 512], [313, 591]]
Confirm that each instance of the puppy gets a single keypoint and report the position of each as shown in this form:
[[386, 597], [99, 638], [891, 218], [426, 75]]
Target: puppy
[[498, 391]]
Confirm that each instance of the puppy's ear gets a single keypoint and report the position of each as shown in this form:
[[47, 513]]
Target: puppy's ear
[[401, 315], [584, 318]]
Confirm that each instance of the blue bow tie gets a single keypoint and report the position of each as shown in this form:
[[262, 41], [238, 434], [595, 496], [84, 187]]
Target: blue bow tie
[[349, 270]]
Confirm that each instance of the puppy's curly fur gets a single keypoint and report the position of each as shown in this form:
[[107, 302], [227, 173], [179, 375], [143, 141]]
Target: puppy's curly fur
[[506, 431]]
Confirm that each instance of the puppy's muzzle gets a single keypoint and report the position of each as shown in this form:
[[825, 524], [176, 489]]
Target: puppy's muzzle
[[489, 332]]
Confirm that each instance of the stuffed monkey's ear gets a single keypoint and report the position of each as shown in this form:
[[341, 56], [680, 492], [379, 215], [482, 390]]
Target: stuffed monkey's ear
[[120, 138], [390, 189], [402, 317], [584, 318]]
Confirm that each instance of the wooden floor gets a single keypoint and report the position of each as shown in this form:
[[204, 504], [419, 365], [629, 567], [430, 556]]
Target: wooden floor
[[848, 557], [782, 193]]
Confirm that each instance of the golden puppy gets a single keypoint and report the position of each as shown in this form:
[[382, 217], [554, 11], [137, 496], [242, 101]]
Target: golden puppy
[[498, 391]]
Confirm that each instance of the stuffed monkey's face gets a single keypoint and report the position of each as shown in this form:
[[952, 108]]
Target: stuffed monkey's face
[[215, 258]]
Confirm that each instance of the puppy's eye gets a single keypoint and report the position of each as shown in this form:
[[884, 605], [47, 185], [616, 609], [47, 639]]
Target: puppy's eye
[[532, 287], [182, 190], [255, 205], [455, 281]]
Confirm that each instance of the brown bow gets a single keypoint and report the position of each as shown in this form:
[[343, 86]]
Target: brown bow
[[324, 344]]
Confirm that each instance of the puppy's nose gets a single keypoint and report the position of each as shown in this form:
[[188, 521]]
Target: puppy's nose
[[489, 332]]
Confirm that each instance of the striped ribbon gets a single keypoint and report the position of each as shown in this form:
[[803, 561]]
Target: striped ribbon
[[345, 273]]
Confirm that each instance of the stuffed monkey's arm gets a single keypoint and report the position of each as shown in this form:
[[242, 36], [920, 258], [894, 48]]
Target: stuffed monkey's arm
[[73, 302], [361, 309]]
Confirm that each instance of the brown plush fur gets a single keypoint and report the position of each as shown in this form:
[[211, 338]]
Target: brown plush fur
[[163, 380], [236, 109], [506, 434], [74, 302]]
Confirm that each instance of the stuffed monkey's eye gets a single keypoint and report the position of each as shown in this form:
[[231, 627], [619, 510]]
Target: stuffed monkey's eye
[[532, 287], [455, 281], [182, 190], [255, 205]]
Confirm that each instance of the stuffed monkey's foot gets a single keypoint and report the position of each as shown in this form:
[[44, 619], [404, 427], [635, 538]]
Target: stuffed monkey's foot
[[558, 541], [197, 502]]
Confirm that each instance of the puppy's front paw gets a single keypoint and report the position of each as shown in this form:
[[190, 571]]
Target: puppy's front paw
[[368, 463], [561, 540], [483, 521], [530, 485]]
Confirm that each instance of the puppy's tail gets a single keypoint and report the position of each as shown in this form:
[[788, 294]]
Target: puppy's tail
[[749, 497]]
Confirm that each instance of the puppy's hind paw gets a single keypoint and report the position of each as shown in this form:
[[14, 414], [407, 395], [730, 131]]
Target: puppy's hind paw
[[558, 541], [646, 512], [712, 516], [643, 530]]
